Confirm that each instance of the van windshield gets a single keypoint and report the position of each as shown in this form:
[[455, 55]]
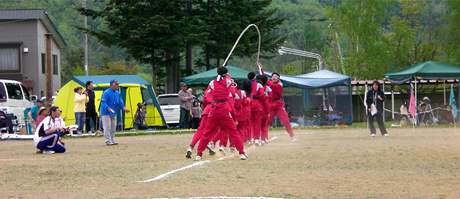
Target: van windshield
[[169, 100], [14, 91], [26, 92], [2, 92]]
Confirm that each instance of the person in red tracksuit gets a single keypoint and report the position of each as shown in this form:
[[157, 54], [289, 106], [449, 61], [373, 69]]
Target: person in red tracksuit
[[224, 137], [220, 115], [266, 102], [257, 110], [243, 108], [277, 104], [206, 108]]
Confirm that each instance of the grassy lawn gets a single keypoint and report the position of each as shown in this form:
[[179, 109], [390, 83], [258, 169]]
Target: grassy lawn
[[323, 163]]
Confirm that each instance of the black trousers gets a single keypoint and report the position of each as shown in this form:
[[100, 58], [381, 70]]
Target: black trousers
[[379, 118], [185, 118], [91, 119]]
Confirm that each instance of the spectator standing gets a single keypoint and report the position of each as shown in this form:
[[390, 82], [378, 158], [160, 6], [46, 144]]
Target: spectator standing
[[33, 113], [196, 114], [374, 101], [80, 108], [111, 103], [185, 98], [91, 114]]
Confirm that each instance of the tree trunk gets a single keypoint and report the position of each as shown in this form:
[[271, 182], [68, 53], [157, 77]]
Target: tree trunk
[[188, 45], [188, 59], [207, 59]]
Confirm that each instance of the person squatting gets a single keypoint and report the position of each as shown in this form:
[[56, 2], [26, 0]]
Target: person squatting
[[233, 115]]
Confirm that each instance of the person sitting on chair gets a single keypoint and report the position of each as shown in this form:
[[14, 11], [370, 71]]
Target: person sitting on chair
[[48, 134]]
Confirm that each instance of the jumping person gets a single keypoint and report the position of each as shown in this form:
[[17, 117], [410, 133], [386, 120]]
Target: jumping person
[[374, 101], [257, 111], [48, 134], [219, 115], [277, 104], [111, 104]]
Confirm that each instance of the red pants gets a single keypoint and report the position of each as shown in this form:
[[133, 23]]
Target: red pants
[[264, 126], [219, 117], [244, 129], [256, 121], [199, 131], [283, 116]]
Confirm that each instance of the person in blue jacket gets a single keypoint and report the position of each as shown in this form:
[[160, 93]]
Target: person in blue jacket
[[111, 104]]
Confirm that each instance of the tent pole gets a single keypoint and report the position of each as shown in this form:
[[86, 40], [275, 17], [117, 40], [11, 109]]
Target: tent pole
[[392, 104], [383, 103], [416, 102], [444, 84]]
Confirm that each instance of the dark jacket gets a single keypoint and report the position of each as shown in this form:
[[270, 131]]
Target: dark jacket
[[372, 98], [90, 105]]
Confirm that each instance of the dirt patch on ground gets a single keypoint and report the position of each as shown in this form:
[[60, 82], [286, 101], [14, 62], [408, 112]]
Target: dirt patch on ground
[[335, 163]]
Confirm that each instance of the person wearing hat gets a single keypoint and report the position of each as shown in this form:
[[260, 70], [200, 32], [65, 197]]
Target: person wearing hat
[[185, 106], [111, 104]]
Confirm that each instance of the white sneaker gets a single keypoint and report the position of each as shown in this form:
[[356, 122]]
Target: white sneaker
[[372, 134], [221, 149], [385, 135], [211, 145], [232, 149], [48, 152], [198, 158], [293, 139], [243, 157]]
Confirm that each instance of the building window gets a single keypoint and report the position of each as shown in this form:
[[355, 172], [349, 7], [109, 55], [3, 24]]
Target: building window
[[43, 63], [9, 59], [55, 64]]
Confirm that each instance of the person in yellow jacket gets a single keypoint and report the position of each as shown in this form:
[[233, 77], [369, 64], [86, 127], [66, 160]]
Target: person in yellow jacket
[[80, 108]]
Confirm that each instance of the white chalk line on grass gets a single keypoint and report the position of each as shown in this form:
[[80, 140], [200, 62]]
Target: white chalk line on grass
[[223, 197], [164, 175]]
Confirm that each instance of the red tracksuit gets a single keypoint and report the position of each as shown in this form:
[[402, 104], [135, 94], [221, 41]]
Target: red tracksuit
[[257, 109], [204, 119], [220, 117], [277, 107], [266, 112]]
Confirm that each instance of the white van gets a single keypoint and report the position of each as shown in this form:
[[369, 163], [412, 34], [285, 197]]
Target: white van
[[170, 106], [14, 98]]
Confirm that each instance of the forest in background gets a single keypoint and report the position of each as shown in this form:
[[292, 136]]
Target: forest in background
[[360, 38]]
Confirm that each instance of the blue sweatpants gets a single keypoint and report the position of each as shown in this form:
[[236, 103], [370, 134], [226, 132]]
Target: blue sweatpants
[[50, 143]]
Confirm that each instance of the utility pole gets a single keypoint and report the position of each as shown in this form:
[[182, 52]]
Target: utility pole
[[48, 76], [86, 39]]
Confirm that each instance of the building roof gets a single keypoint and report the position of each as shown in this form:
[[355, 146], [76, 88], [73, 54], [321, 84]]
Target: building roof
[[33, 14]]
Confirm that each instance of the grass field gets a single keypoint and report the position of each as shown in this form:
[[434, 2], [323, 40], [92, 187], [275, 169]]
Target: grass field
[[323, 163]]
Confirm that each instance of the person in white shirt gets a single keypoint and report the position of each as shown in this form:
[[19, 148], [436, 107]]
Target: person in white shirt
[[48, 134]]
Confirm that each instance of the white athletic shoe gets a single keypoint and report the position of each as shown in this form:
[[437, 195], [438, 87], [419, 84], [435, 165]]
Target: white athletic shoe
[[211, 145], [385, 135], [221, 149], [293, 139], [243, 157], [48, 152], [372, 134], [198, 158]]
